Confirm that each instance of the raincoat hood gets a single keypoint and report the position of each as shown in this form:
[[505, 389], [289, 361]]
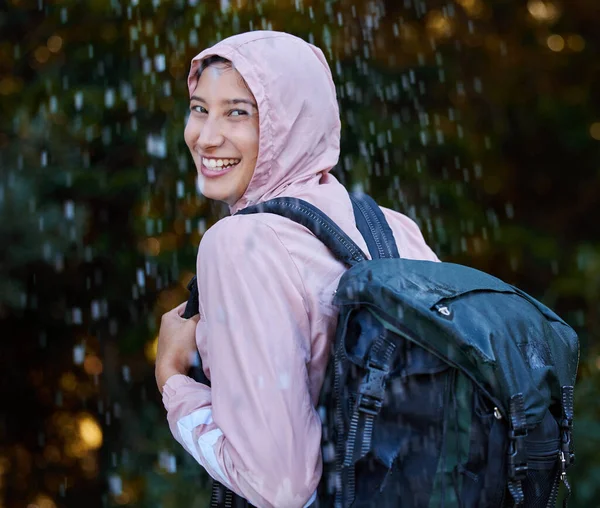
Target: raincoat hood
[[299, 124]]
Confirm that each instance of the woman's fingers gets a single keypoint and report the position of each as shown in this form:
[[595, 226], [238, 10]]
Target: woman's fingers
[[179, 310], [176, 314]]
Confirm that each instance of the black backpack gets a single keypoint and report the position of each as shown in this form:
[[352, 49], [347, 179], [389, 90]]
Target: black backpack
[[446, 386]]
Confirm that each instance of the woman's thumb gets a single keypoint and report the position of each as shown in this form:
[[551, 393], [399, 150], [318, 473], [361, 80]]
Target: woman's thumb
[[195, 318]]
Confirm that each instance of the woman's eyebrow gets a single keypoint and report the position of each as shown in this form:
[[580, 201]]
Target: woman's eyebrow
[[227, 101], [240, 101]]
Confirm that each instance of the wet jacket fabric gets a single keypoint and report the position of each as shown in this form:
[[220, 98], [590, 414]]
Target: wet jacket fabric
[[266, 286]]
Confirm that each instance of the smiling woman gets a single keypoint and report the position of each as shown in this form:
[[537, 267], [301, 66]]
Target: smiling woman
[[264, 123], [222, 131]]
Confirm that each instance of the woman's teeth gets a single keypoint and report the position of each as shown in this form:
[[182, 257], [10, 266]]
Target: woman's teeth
[[219, 164]]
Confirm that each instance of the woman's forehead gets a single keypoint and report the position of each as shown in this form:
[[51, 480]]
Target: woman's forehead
[[220, 80]]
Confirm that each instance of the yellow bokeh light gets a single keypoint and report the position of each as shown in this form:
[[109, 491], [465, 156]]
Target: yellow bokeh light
[[75, 449], [556, 42], [576, 42], [544, 12], [472, 7], [42, 501], [90, 431], [42, 54], [129, 495], [439, 25], [9, 85], [93, 365], [55, 43], [595, 130], [68, 381], [152, 247], [151, 349]]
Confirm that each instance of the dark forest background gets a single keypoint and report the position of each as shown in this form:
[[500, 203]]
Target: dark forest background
[[480, 119]]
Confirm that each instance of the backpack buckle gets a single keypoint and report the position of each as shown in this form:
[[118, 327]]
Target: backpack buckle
[[517, 458], [371, 390], [369, 405], [517, 455]]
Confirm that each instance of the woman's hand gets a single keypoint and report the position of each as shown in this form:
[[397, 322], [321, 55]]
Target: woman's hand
[[176, 345]]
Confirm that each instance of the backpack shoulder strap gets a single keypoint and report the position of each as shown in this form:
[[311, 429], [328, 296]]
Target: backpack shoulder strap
[[309, 216], [371, 223]]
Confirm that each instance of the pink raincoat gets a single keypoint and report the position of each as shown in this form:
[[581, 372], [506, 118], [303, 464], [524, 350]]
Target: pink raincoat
[[266, 286]]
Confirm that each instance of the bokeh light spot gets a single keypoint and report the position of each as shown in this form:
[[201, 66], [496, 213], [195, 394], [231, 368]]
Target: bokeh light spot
[[543, 12], [92, 365], [439, 25], [9, 85], [55, 43], [42, 501], [472, 7], [68, 381], [42, 54], [151, 349], [556, 42], [89, 431], [595, 130], [576, 42]]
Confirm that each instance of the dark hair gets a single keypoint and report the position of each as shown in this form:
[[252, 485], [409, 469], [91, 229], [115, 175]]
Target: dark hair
[[212, 60], [216, 60]]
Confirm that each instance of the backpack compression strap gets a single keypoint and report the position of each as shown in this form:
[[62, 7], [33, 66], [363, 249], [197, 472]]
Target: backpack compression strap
[[309, 216], [372, 225]]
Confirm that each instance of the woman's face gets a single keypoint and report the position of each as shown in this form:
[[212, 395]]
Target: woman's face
[[222, 133]]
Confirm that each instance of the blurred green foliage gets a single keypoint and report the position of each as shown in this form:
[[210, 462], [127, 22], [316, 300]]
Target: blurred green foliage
[[477, 118]]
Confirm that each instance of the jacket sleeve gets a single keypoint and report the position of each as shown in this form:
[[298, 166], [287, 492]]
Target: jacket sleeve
[[255, 429]]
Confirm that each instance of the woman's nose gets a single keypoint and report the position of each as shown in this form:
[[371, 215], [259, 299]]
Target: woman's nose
[[210, 134]]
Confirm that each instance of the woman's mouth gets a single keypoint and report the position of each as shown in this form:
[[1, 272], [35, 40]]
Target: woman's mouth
[[212, 167]]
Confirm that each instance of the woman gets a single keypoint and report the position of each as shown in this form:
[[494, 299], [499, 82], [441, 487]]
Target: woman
[[264, 123]]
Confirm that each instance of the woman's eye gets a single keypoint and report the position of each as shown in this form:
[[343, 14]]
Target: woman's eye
[[199, 109], [237, 112]]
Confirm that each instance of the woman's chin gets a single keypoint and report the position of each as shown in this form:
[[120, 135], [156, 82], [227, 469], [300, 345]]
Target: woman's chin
[[211, 190]]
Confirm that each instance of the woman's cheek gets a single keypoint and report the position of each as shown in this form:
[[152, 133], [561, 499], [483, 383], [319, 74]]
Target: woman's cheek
[[190, 131]]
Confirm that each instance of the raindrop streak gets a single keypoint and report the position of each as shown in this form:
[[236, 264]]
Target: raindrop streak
[[78, 98], [156, 145], [109, 98], [78, 354]]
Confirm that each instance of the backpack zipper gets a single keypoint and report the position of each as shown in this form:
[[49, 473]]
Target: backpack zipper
[[342, 492], [367, 217], [214, 497], [228, 498]]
